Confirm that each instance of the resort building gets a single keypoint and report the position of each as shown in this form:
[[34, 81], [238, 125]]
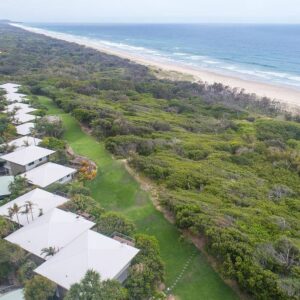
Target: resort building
[[21, 118], [20, 108], [56, 229], [23, 142], [15, 97], [16, 106], [26, 159], [37, 201], [10, 87], [90, 250], [5, 181], [48, 174], [25, 128]]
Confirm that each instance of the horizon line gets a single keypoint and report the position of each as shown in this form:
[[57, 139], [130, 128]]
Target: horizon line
[[153, 23]]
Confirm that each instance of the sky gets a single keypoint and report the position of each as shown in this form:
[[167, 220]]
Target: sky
[[152, 11]]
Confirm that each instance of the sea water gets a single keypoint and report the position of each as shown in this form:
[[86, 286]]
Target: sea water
[[266, 53]]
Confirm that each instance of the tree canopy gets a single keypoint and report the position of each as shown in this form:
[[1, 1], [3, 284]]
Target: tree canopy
[[92, 288], [39, 288]]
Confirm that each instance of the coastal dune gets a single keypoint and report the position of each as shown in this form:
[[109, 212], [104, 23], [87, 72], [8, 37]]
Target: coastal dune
[[285, 94]]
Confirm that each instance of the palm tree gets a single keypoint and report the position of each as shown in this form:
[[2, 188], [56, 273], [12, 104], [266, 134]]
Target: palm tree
[[34, 133], [26, 143], [26, 212], [10, 216], [50, 251], [14, 211], [30, 207], [6, 148], [13, 114]]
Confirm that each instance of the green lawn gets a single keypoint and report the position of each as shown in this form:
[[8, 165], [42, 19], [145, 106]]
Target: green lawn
[[116, 190]]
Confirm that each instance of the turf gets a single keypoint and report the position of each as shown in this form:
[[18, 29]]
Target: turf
[[115, 189]]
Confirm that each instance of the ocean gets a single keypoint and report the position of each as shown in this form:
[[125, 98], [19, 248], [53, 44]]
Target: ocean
[[264, 53]]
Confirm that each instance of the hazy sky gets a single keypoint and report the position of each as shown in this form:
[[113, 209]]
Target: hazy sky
[[134, 11]]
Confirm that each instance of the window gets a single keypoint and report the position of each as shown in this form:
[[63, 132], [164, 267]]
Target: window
[[60, 180], [68, 175], [40, 159], [31, 164]]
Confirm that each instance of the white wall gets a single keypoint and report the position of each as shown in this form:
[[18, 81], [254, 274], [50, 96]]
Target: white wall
[[36, 163], [65, 179]]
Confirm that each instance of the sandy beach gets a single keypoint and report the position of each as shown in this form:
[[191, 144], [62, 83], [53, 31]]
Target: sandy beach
[[285, 94]]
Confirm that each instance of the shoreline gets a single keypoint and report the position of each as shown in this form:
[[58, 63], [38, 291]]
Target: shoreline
[[286, 95]]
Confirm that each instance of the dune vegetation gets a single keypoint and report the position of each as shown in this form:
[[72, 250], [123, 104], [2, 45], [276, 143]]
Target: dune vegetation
[[225, 164]]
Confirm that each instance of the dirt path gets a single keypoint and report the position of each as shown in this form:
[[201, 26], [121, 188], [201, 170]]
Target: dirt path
[[198, 241], [148, 186]]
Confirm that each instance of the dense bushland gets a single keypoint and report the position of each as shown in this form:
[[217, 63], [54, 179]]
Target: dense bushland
[[227, 164]]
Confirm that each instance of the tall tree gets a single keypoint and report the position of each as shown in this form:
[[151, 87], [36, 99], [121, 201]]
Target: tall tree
[[92, 288], [39, 288], [18, 186], [15, 211], [26, 212], [50, 251], [30, 205], [147, 270]]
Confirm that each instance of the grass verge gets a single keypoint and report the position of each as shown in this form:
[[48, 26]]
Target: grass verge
[[115, 189]]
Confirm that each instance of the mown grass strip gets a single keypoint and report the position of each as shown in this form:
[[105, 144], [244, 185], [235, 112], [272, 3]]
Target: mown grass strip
[[117, 190]]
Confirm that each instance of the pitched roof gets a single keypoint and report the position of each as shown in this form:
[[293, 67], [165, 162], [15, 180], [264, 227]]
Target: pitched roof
[[10, 87], [47, 174], [27, 155], [25, 128], [23, 142], [21, 108], [57, 228], [40, 199], [12, 97], [17, 105], [4, 185], [21, 118], [90, 250]]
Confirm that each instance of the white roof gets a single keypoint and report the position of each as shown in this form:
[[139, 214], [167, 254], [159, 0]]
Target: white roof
[[41, 200], [56, 229], [10, 87], [15, 97], [17, 105], [13, 295], [22, 108], [23, 142], [27, 155], [5, 181], [21, 118], [25, 128], [90, 250], [26, 110], [47, 174]]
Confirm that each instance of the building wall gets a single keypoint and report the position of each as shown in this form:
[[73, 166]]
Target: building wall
[[60, 292], [14, 169], [36, 163], [3, 196], [122, 276], [65, 179]]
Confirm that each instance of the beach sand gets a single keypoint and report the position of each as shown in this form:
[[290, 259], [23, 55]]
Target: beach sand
[[287, 95]]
